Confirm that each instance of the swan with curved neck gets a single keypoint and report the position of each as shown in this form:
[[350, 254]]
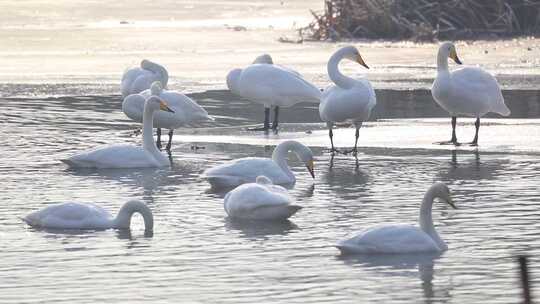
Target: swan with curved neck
[[261, 200], [138, 79], [127, 156], [186, 111], [271, 85], [246, 170], [89, 216], [469, 91], [401, 238], [349, 100]]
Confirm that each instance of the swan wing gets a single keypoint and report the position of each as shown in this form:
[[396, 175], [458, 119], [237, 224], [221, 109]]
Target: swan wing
[[354, 104], [272, 85], [70, 216], [245, 170], [396, 238], [477, 91], [113, 156], [133, 107]]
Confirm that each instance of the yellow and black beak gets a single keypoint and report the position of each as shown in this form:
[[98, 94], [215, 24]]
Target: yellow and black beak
[[310, 166], [451, 203], [453, 55], [164, 107], [361, 61]]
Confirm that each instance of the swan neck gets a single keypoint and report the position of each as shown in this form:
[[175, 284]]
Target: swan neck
[[279, 156], [335, 74], [426, 219], [123, 219], [148, 138], [442, 61], [161, 71]]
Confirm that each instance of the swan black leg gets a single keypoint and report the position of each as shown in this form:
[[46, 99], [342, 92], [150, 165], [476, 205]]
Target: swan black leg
[[158, 141], [266, 125], [331, 135], [477, 125], [354, 150], [168, 148], [452, 141], [275, 123]]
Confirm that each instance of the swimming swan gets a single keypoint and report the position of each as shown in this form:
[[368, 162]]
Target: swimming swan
[[138, 79], [261, 200], [186, 110], [246, 170], [127, 156], [88, 216], [402, 238], [349, 100], [469, 91], [271, 85]]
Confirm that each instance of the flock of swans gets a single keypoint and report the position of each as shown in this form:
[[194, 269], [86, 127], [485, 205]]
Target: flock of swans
[[257, 183]]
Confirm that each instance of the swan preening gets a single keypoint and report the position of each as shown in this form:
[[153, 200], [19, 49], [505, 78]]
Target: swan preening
[[261, 200], [402, 238], [186, 110], [246, 170], [138, 79], [127, 156], [349, 100], [469, 91], [272, 86], [89, 216]]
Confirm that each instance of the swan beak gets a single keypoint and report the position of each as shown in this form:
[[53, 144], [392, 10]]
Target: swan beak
[[310, 167], [454, 56], [451, 203], [164, 107], [361, 61]]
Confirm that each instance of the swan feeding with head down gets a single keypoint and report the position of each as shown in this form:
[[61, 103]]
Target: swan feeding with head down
[[89, 216], [402, 238], [186, 110], [127, 156], [138, 79], [272, 86], [349, 100], [468, 91], [261, 200], [246, 170]]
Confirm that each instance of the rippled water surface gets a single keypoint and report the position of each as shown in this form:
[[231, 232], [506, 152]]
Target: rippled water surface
[[197, 255]]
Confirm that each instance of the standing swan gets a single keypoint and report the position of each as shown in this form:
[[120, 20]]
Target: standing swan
[[138, 79], [261, 200], [246, 170], [127, 156], [402, 238], [469, 91], [89, 216], [350, 100], [186, 110], [271, 85]]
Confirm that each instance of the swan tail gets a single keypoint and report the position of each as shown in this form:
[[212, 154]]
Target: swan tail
[[502, 109]]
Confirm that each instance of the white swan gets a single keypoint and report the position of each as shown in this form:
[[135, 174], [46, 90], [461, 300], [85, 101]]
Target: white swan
[[350, 100], [261, 200], [271, 85], [402, 238], [88, 216], [186, 110], [138, 79], [469, 91], [246, 170], [127, 156]]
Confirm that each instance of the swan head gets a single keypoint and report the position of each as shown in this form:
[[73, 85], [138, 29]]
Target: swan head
[[448, 50], [263, 59], [156, 88], [306, 156], [350, 52], [155, 103], [442, 192], [232, 80], [145, 63], [263, 180]]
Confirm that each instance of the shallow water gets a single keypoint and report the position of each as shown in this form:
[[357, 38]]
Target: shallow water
[[197, 255]]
